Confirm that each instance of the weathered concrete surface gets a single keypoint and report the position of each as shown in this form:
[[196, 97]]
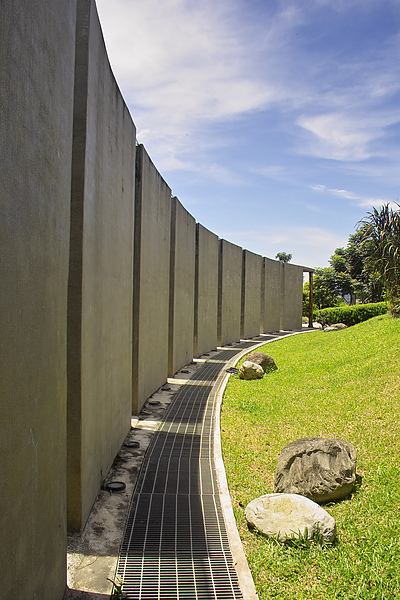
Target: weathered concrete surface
[[182, 278], [151, 289], [272, 305], [36, 99], [101, 274], [206, 291], [229, 292], [292, 297], [251, 294]]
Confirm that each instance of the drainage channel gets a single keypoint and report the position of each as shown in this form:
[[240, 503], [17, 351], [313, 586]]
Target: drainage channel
[[176, 544]]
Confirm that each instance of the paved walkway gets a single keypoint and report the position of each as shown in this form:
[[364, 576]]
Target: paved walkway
[[176, 543]]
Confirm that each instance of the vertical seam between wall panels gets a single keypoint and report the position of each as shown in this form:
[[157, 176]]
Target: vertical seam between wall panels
[[219, 306], [196, 294], [282, 278], [171, 306], [75, 274], [262, 312], [243, 295], [136, 276]]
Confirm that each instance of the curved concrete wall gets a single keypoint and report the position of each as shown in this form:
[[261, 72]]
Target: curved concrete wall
[[272, 305], [181, 284], [251, 294], [101, 273], [206, 291], [37, 42], [108, 283], [229, 292], [292, 297], [151, 291]]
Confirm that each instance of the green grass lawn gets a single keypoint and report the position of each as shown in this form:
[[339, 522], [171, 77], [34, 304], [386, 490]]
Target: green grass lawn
[[343, 384]]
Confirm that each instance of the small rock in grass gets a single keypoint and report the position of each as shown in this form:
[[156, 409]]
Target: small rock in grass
[[290, 516], [250, 370], [335, 327], [264, 360]]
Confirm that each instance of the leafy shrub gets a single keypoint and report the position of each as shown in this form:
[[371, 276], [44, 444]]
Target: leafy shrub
[[350, 315]]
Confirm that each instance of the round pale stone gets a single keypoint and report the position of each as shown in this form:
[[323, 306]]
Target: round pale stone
[[250, 370], [288, 516]]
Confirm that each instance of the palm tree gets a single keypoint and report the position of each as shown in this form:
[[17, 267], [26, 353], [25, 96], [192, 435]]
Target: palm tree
[[381, 240]]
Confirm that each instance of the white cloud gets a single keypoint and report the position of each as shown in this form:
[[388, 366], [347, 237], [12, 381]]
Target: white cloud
[[183, 60], [184, 66], [338, 137], [348, 136], [363, 201]]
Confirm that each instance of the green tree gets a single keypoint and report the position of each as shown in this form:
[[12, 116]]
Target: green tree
[[283, 257], [325, 288], [368, 285], [341, 283], [381, 242], [338, 261]]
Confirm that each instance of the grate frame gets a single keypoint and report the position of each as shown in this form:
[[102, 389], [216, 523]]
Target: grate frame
[[176, 544]]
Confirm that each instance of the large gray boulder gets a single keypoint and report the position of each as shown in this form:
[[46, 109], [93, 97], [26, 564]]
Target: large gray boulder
[[264, 360], [322, 469], [288, 516], [250, 370]]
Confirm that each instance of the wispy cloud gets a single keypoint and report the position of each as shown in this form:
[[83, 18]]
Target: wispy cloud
[[185, 65], [347, 136], [187, 60], [271, 96], [355, 198]]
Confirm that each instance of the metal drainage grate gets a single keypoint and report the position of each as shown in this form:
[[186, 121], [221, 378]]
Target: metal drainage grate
[[175, 544]]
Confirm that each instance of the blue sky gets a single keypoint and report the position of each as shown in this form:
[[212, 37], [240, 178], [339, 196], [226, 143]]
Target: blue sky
[[275, 122]]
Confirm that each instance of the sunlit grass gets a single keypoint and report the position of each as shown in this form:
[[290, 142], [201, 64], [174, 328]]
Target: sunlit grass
[[343, 384]]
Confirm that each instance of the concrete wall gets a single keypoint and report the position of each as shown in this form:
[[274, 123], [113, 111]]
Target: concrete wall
[[206, 291], [229, 292], [252, 274], [272, 302], [292, 297], [100, 295], [182, 277], [101, 271], [151, 290], [36, 101]]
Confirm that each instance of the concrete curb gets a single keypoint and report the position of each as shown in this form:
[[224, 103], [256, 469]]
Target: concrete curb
[[240, 561]]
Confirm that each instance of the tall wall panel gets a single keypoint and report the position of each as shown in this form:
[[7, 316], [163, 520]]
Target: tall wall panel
[[229, 292], [182, 277], [151, 286], [206, 291], [292, 297], [36, 101], [251, 294], [272, 305], [107, 284], [101, 271]]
